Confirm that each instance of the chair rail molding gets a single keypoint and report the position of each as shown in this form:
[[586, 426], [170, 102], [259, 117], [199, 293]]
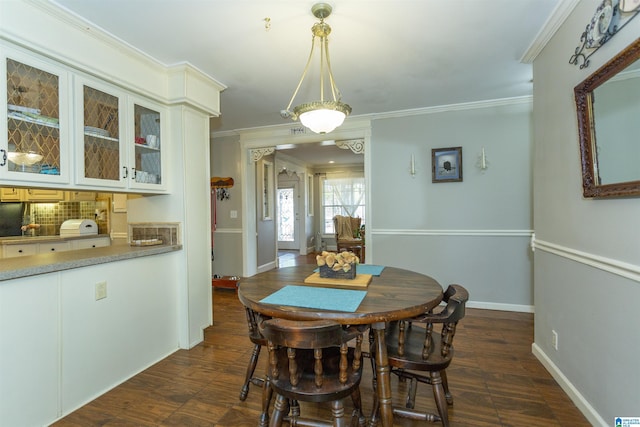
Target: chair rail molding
[[492, 233], [223, 230], [620, 268]]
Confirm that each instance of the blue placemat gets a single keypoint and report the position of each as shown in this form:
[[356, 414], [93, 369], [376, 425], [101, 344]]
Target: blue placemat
[[374, 270], [313, 297]]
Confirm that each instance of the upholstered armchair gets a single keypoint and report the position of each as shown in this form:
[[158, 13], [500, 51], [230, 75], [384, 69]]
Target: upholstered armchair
[[347, 234]]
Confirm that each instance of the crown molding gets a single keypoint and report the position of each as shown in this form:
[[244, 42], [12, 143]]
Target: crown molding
[[360, 120], [559, 15]]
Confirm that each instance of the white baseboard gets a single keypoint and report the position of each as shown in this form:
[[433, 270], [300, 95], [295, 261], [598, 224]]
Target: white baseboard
[[501, 307], [266, 267], [574, 394]]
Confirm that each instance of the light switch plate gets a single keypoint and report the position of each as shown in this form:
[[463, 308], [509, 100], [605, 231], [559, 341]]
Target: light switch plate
[[101, 290]]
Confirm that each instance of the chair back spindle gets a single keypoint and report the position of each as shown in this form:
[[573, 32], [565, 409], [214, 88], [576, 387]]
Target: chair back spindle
[[312, 361], [414, 347]]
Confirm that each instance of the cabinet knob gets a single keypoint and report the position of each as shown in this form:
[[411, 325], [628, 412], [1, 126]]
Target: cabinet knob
[[4, 157], [53, 249], [19, 251]]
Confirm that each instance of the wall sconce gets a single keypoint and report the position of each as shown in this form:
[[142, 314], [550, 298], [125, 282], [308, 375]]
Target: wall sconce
[[412, 166], [482, 163]]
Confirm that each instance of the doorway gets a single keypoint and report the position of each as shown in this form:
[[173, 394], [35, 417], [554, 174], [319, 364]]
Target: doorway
[[302, 153], [288, 212]]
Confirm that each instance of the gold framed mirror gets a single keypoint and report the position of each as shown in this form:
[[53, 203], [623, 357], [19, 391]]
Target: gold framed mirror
[[608, 108]]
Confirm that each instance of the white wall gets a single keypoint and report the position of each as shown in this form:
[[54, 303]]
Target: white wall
[[225, 162], [475, 232], [587, 251]]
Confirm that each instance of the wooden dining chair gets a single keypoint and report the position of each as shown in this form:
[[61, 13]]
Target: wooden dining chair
[[311, 361], [258, 342], [419, 353]]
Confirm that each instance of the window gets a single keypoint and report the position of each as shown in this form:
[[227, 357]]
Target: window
[[267, 190], [342, 196]]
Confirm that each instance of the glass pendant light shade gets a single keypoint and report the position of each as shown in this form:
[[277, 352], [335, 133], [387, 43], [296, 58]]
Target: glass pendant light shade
[[322, 117]]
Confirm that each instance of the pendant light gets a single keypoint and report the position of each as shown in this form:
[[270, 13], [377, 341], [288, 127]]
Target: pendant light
[[324, 115]]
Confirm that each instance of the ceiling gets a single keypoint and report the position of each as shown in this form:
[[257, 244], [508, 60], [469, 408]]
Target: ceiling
[[386, 55]]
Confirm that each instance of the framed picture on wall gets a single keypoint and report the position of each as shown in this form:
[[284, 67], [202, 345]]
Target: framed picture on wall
[[446, 164]]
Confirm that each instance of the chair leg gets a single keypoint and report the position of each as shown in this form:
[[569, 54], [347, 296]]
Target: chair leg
[[280, 409], [337, 413], [294, 408], [357, 405], [445, 384], [439, 395], [267, 393], [373, 421], [253, 361], [411, 394]]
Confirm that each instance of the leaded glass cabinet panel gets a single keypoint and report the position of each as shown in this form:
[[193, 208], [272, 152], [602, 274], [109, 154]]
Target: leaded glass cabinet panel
[[148, 140], [99, 125], [36, 121]]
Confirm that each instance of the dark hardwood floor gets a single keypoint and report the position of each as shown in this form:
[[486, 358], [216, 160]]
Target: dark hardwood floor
[[494, 378]]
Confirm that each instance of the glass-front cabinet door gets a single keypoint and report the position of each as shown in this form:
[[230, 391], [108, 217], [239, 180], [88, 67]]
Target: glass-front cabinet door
[[146, 155], [100, 157], [34, 146]]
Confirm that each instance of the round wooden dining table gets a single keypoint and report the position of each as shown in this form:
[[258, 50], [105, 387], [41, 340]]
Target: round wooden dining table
[[394, 294]]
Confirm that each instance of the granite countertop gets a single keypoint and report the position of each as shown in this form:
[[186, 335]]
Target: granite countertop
[[25, 266], [18, 240]]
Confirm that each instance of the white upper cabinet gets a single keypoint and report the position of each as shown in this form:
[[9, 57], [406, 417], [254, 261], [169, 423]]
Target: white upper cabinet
[[34, 126], [87, 135], [99, 153], [146, 137], [119, 138]]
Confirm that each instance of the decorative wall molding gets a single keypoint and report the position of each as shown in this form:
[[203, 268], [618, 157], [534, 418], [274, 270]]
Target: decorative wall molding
[[283, 131], [290, 172], [220, 230], [256, 154], [627, 270], [491, 103], [486, 233], [554, 22], [355, 145]]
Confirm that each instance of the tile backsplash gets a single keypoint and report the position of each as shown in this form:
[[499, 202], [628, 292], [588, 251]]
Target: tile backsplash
[[50, 216]]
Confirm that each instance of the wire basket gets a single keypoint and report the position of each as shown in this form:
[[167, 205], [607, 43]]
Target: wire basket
[[329, 273]]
